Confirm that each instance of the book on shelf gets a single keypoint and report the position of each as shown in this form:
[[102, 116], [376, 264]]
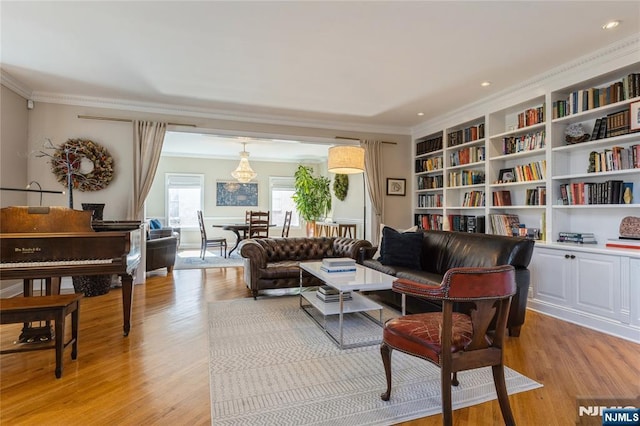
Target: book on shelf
[[623, 243], [334, 262], [502, 198], [577, 237], [334, 297]]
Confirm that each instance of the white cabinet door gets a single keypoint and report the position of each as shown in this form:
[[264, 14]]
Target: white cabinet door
[[597, 284], [634, 291], [551, 276]]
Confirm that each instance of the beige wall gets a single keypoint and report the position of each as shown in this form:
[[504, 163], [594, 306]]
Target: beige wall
[[60, 122], [13, 147]]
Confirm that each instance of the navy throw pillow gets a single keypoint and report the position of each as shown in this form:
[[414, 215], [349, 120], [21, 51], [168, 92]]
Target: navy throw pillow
[[401, 248], [155, 224]]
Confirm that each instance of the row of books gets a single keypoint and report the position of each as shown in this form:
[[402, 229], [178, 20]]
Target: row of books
[[528, 142], [536, 170], [338, 264], [429, 145], [501, 198], [577, 237], [466, 177], [584, 193], [428, 221], [473, 199], [472, 154], [616, 158], [504, 224], [614, 124], [586, 99], [329, 294], [468, 134], [536, 196], [531, 116], [429, 164], [429, 200], [466, 223], [430, 182]]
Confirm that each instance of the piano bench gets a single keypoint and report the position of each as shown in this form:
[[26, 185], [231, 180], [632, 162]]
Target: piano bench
[[44, 308]]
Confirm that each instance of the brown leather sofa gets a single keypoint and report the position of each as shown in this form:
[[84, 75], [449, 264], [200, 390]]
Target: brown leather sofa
[[442, 250], [162, 245], [273, 262]]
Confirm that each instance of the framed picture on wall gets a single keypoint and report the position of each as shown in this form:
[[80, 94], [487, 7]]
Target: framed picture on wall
[[396, 186], [232, 194]]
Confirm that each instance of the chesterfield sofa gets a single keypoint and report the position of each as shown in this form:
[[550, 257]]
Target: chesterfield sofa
[[428, 256], [273, 262]]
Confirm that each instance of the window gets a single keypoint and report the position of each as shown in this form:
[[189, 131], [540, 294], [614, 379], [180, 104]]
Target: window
[[184, 195], [281, 189]]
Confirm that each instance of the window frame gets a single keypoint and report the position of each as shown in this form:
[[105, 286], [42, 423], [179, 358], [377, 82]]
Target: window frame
[[285, 183], [167, 186]]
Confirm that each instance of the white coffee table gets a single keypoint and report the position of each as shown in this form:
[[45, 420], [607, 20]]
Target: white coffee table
[[362, 279]]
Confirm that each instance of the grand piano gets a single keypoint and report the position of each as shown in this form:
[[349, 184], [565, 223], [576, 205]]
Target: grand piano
[[53, 242]]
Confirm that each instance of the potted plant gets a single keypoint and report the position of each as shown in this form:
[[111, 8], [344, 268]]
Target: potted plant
[[312, 196]]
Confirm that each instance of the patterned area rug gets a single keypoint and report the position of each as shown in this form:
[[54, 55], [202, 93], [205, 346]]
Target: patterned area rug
[[270, 364], [190, 259]]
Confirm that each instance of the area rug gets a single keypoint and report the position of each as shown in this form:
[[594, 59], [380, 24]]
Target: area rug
[[190, 259], [270, 364]]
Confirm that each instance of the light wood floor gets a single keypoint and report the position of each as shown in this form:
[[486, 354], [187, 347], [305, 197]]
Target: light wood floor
[[159, 374]]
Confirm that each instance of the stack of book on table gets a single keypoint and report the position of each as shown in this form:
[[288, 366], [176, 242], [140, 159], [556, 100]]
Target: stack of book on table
[[625, 243], [338, 264], [577, 237], [330, 294]]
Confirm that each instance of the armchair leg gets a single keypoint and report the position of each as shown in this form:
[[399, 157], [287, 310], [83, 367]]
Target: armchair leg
[[503, 396], [385, 352], [447, 415]]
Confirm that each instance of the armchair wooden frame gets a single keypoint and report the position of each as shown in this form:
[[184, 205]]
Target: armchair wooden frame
[[456, 341]]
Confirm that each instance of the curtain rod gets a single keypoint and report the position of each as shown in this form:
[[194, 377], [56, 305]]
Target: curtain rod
[[356, 139], [126, 120]]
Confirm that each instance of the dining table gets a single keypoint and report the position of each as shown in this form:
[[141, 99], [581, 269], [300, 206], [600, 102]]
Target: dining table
[[236, 228]]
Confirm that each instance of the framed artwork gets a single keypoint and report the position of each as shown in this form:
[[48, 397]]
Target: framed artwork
[[396, 186], [236, 194], [507, 175], [634, 121]]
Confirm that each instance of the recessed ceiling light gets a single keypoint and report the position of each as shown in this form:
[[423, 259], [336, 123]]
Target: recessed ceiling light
[[421, 114], [610, 25], [485, 83]]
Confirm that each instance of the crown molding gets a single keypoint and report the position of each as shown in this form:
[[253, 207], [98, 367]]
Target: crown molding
[[10, 82], [607, 57], [185, 111]]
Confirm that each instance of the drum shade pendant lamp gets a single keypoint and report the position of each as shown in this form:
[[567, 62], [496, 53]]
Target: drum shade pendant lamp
[[244, 173], [349, 160], [346, 159]]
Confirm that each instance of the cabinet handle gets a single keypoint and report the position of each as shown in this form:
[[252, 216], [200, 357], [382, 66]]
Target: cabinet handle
[[566, 256], [573, 256]]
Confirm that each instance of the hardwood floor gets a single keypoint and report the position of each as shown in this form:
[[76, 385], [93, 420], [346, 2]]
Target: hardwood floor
[[159, 373]]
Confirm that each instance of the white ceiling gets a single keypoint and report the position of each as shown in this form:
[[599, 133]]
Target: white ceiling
[[367, 65]]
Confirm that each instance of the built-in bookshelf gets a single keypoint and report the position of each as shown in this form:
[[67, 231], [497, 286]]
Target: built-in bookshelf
[[558, 161]]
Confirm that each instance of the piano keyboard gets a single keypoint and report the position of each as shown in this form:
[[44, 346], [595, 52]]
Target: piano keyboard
[[56, 263]]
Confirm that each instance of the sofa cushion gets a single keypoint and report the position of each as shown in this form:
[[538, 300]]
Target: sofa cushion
[[422, 277], [401, 248], [377, 255]]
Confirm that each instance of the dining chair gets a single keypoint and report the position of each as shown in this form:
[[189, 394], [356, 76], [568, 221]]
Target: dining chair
[[259, 224], [456, 341], [287, 223], [205, 242]]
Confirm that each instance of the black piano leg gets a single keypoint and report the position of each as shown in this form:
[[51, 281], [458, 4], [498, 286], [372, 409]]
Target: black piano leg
[[127, 301]]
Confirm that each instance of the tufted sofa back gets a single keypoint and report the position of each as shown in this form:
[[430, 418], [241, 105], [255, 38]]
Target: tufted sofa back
[[300, 249]]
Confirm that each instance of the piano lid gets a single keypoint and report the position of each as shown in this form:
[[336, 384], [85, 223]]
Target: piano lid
[[24, 219]]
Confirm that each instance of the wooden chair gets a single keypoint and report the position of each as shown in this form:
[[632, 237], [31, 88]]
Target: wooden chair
[[259, 224], [205, 242], [287, 223], [456, 341]]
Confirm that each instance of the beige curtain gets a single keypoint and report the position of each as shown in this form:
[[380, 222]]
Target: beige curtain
[[148, 137], [375, 183]]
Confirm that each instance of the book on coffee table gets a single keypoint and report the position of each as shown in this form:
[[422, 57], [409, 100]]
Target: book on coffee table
[[339, 262]]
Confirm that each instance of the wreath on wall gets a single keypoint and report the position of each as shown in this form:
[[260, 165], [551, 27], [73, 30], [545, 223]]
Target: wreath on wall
[[89, 164], [341, 186]]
